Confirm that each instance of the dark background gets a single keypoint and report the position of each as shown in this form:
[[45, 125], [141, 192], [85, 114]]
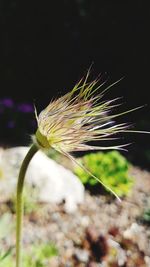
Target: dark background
[[46, 46]]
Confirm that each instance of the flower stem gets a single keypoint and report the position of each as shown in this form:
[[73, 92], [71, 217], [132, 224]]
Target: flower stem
[[19, 203]]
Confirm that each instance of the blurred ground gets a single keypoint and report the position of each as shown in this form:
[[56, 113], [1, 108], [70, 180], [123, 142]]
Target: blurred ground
[[102, 232]]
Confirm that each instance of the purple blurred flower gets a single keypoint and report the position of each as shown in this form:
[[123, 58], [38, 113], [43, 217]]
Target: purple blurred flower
[[25, 107], [11, 124], [7, 102]]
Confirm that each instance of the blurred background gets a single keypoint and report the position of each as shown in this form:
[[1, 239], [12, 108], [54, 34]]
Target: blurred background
[[46, 47]]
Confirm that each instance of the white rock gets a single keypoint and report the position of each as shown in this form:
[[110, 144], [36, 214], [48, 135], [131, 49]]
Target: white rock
[[120, 253], [136, 233], [147, 261], [53, 181], [132, 233], [81, 255]]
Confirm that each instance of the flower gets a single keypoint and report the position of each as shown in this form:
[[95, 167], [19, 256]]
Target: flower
[[25, 107], [7, 102], [76, 118], [68, 123]]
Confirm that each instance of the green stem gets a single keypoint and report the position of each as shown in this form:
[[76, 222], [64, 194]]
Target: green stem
[[19, 202]]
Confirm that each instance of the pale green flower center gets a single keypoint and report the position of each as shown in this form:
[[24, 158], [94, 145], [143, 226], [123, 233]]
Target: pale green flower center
[[41, 139]]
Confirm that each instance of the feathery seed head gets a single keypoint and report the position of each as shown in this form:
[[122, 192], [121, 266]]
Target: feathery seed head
[[76, 118]]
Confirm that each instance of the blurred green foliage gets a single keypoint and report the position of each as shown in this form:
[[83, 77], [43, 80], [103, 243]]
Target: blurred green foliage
[[146, 216], [29, 198], [5, 219], [4, 255], [37, 256], [40, 255], [112, 168]]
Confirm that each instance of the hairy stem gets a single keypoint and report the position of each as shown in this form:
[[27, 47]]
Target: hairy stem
[[19, 203]]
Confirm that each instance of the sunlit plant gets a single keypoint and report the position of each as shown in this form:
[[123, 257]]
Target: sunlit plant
[[67, 125], [111, 167]]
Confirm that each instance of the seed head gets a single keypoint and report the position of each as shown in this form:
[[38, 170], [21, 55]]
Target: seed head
[[76, 118], [81, 116]]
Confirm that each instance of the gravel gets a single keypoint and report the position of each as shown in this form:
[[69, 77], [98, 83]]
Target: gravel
[[101, 233]]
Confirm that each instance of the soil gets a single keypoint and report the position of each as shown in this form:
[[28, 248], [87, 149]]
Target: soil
[[103, 232]]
